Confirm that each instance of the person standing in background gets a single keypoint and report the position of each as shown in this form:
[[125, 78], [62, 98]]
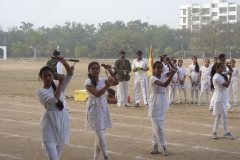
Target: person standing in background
[[233, 87], [182, 77], [194, 76], [56, 66], [205, 76], [122, 68], [140, 67], [174, 84]]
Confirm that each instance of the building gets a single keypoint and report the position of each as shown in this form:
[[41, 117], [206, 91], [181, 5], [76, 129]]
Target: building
[[192, 16]]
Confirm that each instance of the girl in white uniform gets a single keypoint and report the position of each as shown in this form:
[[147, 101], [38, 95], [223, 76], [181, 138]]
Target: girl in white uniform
[[220, 102], [174, 84], [194, 76], [182, 77], [233, 87], [97, 112], [158, 105], [205, 74], [55, 122]]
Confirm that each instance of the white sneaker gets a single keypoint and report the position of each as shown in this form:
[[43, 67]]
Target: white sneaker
[[67, 108], [154, 150], [146, 106], [125, 105], [165, 152], [231, 109], [199, 104], [211, 108]]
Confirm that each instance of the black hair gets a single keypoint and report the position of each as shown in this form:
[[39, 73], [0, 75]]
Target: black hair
[[232, 60], [215, 57], [56, 53], [161, 57], [213, 71], [155, 65], [122, 52], [174, 59], [197, 65], [221, 56], [44, 68], [207, 60], [139, 53], [180, 60], [93, 80]]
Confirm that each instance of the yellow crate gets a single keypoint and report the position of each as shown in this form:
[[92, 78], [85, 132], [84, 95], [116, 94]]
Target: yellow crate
[[80, 95]]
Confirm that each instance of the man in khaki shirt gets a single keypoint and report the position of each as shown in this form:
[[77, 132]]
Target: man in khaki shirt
[[122, 68]]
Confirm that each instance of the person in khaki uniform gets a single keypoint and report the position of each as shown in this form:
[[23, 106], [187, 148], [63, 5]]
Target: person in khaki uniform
[[122, 68]]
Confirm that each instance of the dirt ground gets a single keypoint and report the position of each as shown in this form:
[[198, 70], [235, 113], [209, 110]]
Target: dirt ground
[[188, 127]]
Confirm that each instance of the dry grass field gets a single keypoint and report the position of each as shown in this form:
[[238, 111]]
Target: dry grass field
[[188, 127]]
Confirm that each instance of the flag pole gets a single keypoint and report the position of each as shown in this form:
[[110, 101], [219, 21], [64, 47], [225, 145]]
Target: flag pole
[[150, 63]]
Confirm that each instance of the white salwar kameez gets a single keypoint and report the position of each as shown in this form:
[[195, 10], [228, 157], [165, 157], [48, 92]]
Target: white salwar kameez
[[219, 102], [182, 86], [173, 86], [55, 123], [233, 87], [158, 106], [193, 87], [205, 82], [98, 117]]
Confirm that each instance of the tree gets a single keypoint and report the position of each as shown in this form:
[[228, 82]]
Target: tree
[[19, 49], [81, 51], [26, 27], [168, 51]]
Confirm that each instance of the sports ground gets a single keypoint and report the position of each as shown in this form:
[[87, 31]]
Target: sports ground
[[188, 127]]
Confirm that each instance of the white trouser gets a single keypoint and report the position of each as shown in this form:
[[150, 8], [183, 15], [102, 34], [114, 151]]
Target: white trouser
[[172, 91], [184, 92], [122, 93], [192, 94], [201, 94], [158, 135], [141, 85], [216, 123], [100, 144], [53, 153], [233, 88]]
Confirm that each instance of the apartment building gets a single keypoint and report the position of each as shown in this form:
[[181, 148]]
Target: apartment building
[[192, 16]]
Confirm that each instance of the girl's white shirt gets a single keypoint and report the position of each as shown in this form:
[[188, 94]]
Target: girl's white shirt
[[182, 72], [97, 112], [158, 101], [206, 74], [235, 74], [219, 99], [55, 124]]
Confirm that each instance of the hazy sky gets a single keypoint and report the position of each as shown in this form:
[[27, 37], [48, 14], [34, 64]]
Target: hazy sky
[[51, 12]]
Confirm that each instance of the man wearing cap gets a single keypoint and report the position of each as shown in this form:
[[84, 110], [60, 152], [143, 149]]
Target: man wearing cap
[[140, 67], [56, 66], [122, 68]]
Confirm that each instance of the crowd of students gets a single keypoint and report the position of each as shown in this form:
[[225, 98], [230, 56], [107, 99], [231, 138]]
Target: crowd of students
[[168, 73]]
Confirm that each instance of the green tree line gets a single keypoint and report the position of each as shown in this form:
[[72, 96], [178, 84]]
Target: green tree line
[[108, 39]]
